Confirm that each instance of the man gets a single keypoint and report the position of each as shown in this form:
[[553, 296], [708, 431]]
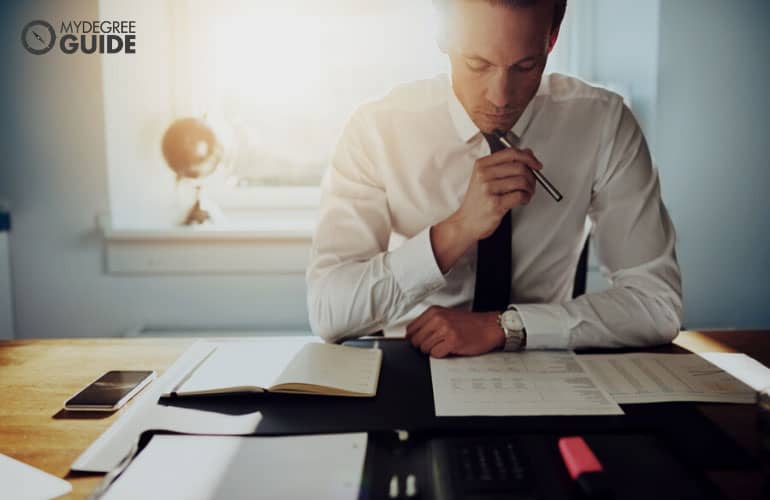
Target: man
[[421, 223]]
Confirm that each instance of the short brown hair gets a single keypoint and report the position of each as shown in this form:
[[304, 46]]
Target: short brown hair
[[559, 7]]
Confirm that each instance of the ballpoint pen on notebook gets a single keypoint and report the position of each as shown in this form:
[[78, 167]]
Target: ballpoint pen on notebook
[[538, 176]]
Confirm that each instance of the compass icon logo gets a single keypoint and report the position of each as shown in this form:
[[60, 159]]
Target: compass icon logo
[[38, 37]]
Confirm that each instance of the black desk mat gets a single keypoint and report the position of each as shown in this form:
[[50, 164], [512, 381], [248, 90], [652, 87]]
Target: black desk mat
[[404, 400], [637, 467]]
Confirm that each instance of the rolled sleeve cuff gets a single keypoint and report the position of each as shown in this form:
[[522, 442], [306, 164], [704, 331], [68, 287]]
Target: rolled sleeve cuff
[[546, 325], [414, 266]]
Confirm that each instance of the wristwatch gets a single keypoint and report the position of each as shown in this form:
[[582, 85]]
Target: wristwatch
[[513, 328]]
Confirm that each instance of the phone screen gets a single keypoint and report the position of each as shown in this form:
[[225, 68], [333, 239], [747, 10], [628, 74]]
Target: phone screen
[[109, 389]]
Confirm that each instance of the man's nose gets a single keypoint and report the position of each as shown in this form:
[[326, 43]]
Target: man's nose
[[498, 88]]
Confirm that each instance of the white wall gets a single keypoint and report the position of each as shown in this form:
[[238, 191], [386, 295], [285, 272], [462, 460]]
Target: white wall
[[54, 175]]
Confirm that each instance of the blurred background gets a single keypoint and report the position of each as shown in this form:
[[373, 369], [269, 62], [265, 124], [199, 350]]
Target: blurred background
[[90, 238]]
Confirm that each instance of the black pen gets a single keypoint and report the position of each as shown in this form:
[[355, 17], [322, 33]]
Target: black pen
[[538, 176]]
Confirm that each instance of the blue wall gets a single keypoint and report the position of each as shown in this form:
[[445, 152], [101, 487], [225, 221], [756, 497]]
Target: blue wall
[[696, 71], [713, 130]]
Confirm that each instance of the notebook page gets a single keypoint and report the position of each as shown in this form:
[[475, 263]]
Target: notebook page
[[244, 363], [348, 368]]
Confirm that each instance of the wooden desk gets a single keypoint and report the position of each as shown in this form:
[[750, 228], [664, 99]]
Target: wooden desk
[[36, 376]]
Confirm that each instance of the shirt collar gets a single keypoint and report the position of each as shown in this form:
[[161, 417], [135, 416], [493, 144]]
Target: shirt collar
[[465, 127], [467, 130]]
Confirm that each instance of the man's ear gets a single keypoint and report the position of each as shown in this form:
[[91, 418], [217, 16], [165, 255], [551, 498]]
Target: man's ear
[[552, 39]]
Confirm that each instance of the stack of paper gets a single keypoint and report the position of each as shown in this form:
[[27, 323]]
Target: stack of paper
[[212, 467]]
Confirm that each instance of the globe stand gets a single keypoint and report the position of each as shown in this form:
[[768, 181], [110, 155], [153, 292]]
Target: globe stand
[[203, 211]]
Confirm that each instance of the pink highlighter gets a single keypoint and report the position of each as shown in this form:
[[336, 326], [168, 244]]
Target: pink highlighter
[[584, 468]]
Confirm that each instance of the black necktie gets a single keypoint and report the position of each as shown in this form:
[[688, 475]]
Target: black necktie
[[493, 263]]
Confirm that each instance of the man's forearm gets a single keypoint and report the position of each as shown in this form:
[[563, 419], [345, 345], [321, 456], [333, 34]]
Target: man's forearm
[[449, 241], [357, 297], [620, 316]]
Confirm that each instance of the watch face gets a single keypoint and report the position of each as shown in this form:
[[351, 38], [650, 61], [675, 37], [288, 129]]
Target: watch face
[[38, 37], [512, 320]]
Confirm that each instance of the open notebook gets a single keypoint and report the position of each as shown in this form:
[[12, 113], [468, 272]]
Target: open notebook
[[291, 365]]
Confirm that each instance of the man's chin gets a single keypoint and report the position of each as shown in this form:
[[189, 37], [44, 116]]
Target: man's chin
[[488, 124]]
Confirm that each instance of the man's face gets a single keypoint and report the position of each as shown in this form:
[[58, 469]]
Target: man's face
[[498, 55]]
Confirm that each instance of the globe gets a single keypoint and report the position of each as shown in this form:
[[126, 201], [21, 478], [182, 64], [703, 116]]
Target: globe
[[191, 148]]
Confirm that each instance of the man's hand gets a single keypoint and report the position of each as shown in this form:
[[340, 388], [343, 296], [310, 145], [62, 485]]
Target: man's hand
[[440, 331], [499, 182]]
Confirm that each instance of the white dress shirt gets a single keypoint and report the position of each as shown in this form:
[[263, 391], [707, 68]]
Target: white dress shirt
[[403, 164]]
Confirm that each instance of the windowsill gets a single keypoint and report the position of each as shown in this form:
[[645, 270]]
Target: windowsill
[[212, 234], [275, 245], [247, 224]]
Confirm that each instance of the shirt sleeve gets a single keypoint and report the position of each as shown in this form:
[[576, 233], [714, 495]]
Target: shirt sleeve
[[635, 243], [355, 285]]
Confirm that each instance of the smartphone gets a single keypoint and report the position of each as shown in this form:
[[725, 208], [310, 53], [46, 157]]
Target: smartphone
[[110, 391]]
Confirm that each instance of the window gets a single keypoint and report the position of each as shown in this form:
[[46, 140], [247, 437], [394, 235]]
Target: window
[[278, 78], [282, 78]]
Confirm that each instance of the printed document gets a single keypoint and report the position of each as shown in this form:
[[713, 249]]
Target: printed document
[[745, 368], [517, 383], [655, 378]]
